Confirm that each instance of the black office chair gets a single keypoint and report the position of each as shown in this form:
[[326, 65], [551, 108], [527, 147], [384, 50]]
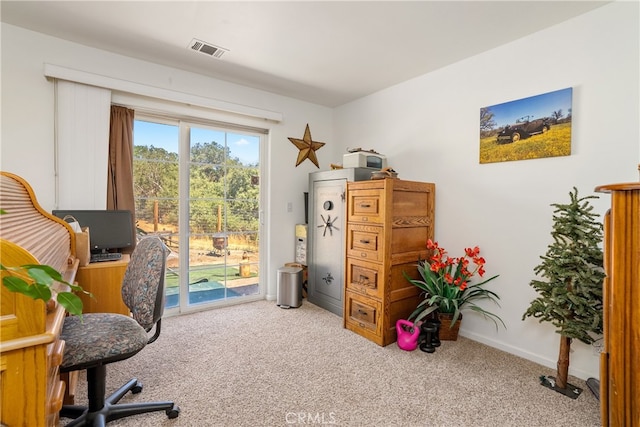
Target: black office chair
[[102, 338]]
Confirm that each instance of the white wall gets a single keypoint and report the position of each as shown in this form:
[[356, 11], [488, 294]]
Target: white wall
[[27, 147], [429, 129]]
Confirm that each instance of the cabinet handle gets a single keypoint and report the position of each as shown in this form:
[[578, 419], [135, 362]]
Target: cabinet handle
[[365, 205], [366, 242], [57, 353], [57, 398]]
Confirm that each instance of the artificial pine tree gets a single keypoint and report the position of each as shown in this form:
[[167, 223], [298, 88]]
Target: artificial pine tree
[[571, 294]]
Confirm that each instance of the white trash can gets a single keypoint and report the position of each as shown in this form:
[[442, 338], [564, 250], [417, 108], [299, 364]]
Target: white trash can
[[289, 287]]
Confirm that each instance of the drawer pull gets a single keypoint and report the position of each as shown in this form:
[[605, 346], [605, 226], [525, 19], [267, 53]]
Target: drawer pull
[[364, 278], [57, 398], [365, 205], [365, 242], [360, 311], [58, 353]]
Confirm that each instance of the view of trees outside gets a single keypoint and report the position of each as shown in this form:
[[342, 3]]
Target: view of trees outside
[[221, 242]]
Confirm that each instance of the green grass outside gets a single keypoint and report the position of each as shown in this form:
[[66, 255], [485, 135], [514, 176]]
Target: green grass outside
[[216, 274], [555, 142]]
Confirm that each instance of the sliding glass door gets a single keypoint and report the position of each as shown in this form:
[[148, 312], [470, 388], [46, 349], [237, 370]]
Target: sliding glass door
[[198, 188]]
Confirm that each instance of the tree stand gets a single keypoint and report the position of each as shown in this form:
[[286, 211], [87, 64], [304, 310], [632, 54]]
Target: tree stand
[[570, 390], [560, 383]]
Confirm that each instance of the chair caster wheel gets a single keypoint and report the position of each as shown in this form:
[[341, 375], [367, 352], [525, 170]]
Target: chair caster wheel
[[173, 412], [137, 388]]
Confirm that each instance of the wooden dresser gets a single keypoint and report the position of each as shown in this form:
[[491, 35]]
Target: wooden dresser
[[620, 358], [388, 224], [30, 347]]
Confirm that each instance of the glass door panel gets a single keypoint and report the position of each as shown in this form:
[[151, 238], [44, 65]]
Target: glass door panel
[[223, 200], [217, 256], [156, 175]]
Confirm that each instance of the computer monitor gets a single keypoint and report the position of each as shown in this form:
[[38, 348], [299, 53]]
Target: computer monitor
[[109, 230]]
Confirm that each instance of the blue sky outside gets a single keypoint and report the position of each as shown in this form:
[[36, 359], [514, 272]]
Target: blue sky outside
[[244, 147], [535, 106]]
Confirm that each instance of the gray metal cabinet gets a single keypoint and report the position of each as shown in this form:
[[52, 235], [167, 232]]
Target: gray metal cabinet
[[326, 238]]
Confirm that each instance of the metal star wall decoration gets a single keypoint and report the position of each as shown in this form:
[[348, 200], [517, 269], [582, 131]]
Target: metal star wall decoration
[[307, 147]]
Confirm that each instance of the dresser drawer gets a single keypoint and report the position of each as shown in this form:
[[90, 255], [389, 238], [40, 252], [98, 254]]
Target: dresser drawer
[[365, 242], [364, 277], [363, 313], [366, 206]]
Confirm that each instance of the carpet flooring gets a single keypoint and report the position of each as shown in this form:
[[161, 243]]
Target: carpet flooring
[[259, 365]]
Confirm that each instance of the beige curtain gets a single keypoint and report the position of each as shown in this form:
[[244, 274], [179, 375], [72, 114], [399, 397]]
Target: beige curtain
[[120, 173]]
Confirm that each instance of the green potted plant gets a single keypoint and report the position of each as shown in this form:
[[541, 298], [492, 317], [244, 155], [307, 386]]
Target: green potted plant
[[446, 285], [36, 281]]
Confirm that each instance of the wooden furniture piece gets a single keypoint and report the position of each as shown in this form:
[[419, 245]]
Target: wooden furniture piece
[[620, 358], [104, 281], [30, 347], [388, 224]]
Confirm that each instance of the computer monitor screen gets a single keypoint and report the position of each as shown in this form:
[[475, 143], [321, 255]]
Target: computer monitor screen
[[108, 229]]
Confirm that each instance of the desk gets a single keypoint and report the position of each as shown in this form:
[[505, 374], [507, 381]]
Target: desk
[[104, 281], [31, 350]]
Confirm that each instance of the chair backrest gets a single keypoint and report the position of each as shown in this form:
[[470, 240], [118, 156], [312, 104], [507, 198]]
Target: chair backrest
[[143, 283]]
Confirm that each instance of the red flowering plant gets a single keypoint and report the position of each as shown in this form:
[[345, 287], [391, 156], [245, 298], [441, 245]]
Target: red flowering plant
[[446, 284]]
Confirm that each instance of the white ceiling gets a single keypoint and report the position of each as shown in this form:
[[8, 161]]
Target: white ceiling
[[324, 52]]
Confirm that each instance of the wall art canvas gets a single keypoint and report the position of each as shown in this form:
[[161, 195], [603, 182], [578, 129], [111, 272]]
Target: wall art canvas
[[528, 128]]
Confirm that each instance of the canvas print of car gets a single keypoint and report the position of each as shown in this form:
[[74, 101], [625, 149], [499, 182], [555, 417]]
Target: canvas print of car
[[528, 128], [523, 128]]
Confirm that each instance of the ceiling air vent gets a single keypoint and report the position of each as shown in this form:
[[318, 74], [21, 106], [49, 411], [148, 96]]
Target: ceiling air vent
[[207, 48]]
